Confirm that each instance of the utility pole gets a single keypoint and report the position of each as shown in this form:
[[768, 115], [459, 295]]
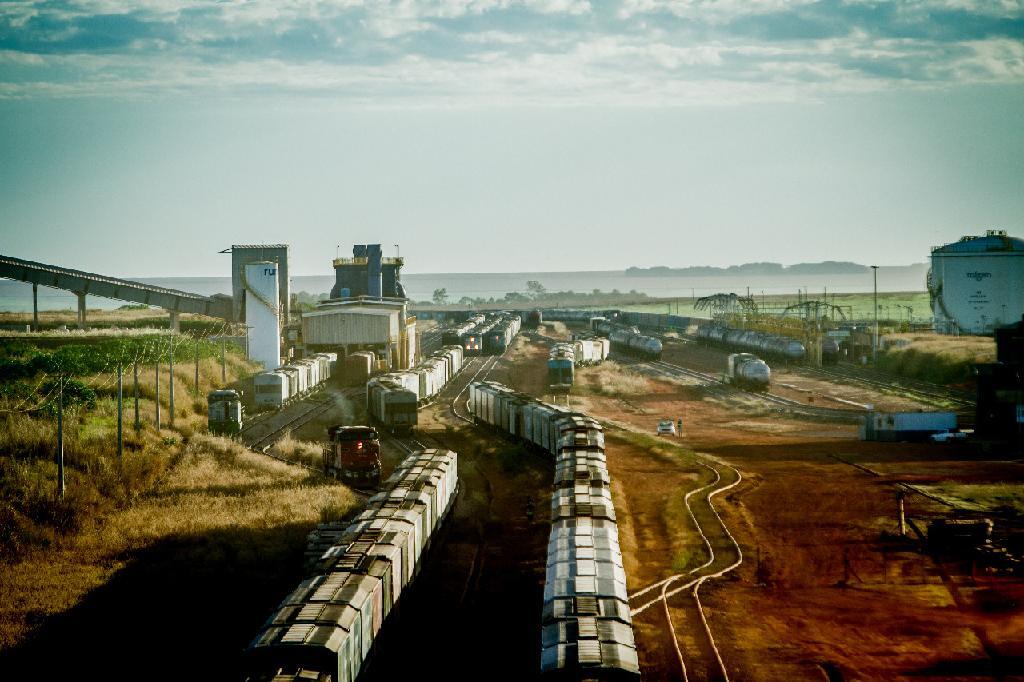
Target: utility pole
[[60, 438], [120, 413], [874, 346], [135, 372], [223, 364]]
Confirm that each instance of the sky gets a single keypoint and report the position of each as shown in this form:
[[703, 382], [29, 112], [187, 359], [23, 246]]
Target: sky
[[140, 139]]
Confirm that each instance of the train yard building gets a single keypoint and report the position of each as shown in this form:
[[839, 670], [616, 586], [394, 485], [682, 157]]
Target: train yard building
[[977, 284], [242, 255], [368, 310]]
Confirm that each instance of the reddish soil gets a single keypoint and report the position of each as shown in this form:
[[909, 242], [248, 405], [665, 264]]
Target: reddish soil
[[790, 383], [785, 613]]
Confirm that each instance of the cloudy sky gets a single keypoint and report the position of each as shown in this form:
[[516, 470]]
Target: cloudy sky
[[502, 135]]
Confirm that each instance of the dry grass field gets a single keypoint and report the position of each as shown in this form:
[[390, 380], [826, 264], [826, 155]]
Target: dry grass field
[[936, 357], [182, 521]]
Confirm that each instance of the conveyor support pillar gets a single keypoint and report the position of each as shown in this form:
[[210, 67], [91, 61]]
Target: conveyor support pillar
[[81, 309]]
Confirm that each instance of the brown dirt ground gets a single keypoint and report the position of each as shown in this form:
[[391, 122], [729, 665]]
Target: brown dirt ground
[[782, 615], [790, 384]]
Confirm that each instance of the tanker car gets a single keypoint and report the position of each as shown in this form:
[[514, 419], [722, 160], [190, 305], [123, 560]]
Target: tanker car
[[746, 370], [773, 345]]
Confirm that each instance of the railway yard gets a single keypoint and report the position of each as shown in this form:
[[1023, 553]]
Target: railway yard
[[760, 543]]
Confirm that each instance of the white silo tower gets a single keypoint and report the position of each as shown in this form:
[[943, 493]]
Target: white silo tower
[[262, 320], [977, 283]]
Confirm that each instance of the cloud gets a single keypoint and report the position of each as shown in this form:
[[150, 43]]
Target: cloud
[[472, 52]]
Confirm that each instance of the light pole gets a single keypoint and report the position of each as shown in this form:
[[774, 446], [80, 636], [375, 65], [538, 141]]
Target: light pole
[[874, 346]]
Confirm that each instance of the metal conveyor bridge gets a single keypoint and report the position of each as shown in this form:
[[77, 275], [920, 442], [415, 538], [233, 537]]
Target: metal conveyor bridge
[[82, 283]]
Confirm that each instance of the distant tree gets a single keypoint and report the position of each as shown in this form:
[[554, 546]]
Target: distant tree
[[466, 300], [535, 289], [440, 296]]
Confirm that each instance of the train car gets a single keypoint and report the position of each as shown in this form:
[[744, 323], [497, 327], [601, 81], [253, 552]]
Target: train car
[[358, 367], [497, 339], [829, 351], [590, 349], [774, 345], [300, 374], [224, 412], [270, 389], [472, 341], [391, 404], [748, 371], [625, 341], [326, 628], [453, 335], [352, 455], [586, 627], [561, 364]]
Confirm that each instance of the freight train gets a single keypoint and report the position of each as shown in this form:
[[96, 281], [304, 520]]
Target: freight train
[[359, 367], [453, 335], [224, 411], [586, 627], [479, 336], [748, 371], [589, 349], [774, 345], [563, 358], [628, 340], [288, 382], [392, 399], [561, 366], [225, 414], [326, 628], [353, 455], [497, 339]]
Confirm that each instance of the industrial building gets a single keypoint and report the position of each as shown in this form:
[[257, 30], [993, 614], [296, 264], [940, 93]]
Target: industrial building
[[242, 255], [262, 313], [368, 310], [977, 284], [368, 273]]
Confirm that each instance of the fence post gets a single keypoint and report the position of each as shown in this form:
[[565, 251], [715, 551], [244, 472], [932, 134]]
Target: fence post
[[120, 414], [60, 438], [197, 366], [135, 373], [158, 392], [170, 382]]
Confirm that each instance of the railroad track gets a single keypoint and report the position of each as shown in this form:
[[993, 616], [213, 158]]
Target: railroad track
[[484, 369], [713, 531], [262, 443], [716, 387], [924, 392]]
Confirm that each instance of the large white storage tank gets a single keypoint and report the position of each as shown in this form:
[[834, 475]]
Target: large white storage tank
[[263, 324], [977, 283]]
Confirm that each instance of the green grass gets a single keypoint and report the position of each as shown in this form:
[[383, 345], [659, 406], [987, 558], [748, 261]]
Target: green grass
[[855, 306]]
